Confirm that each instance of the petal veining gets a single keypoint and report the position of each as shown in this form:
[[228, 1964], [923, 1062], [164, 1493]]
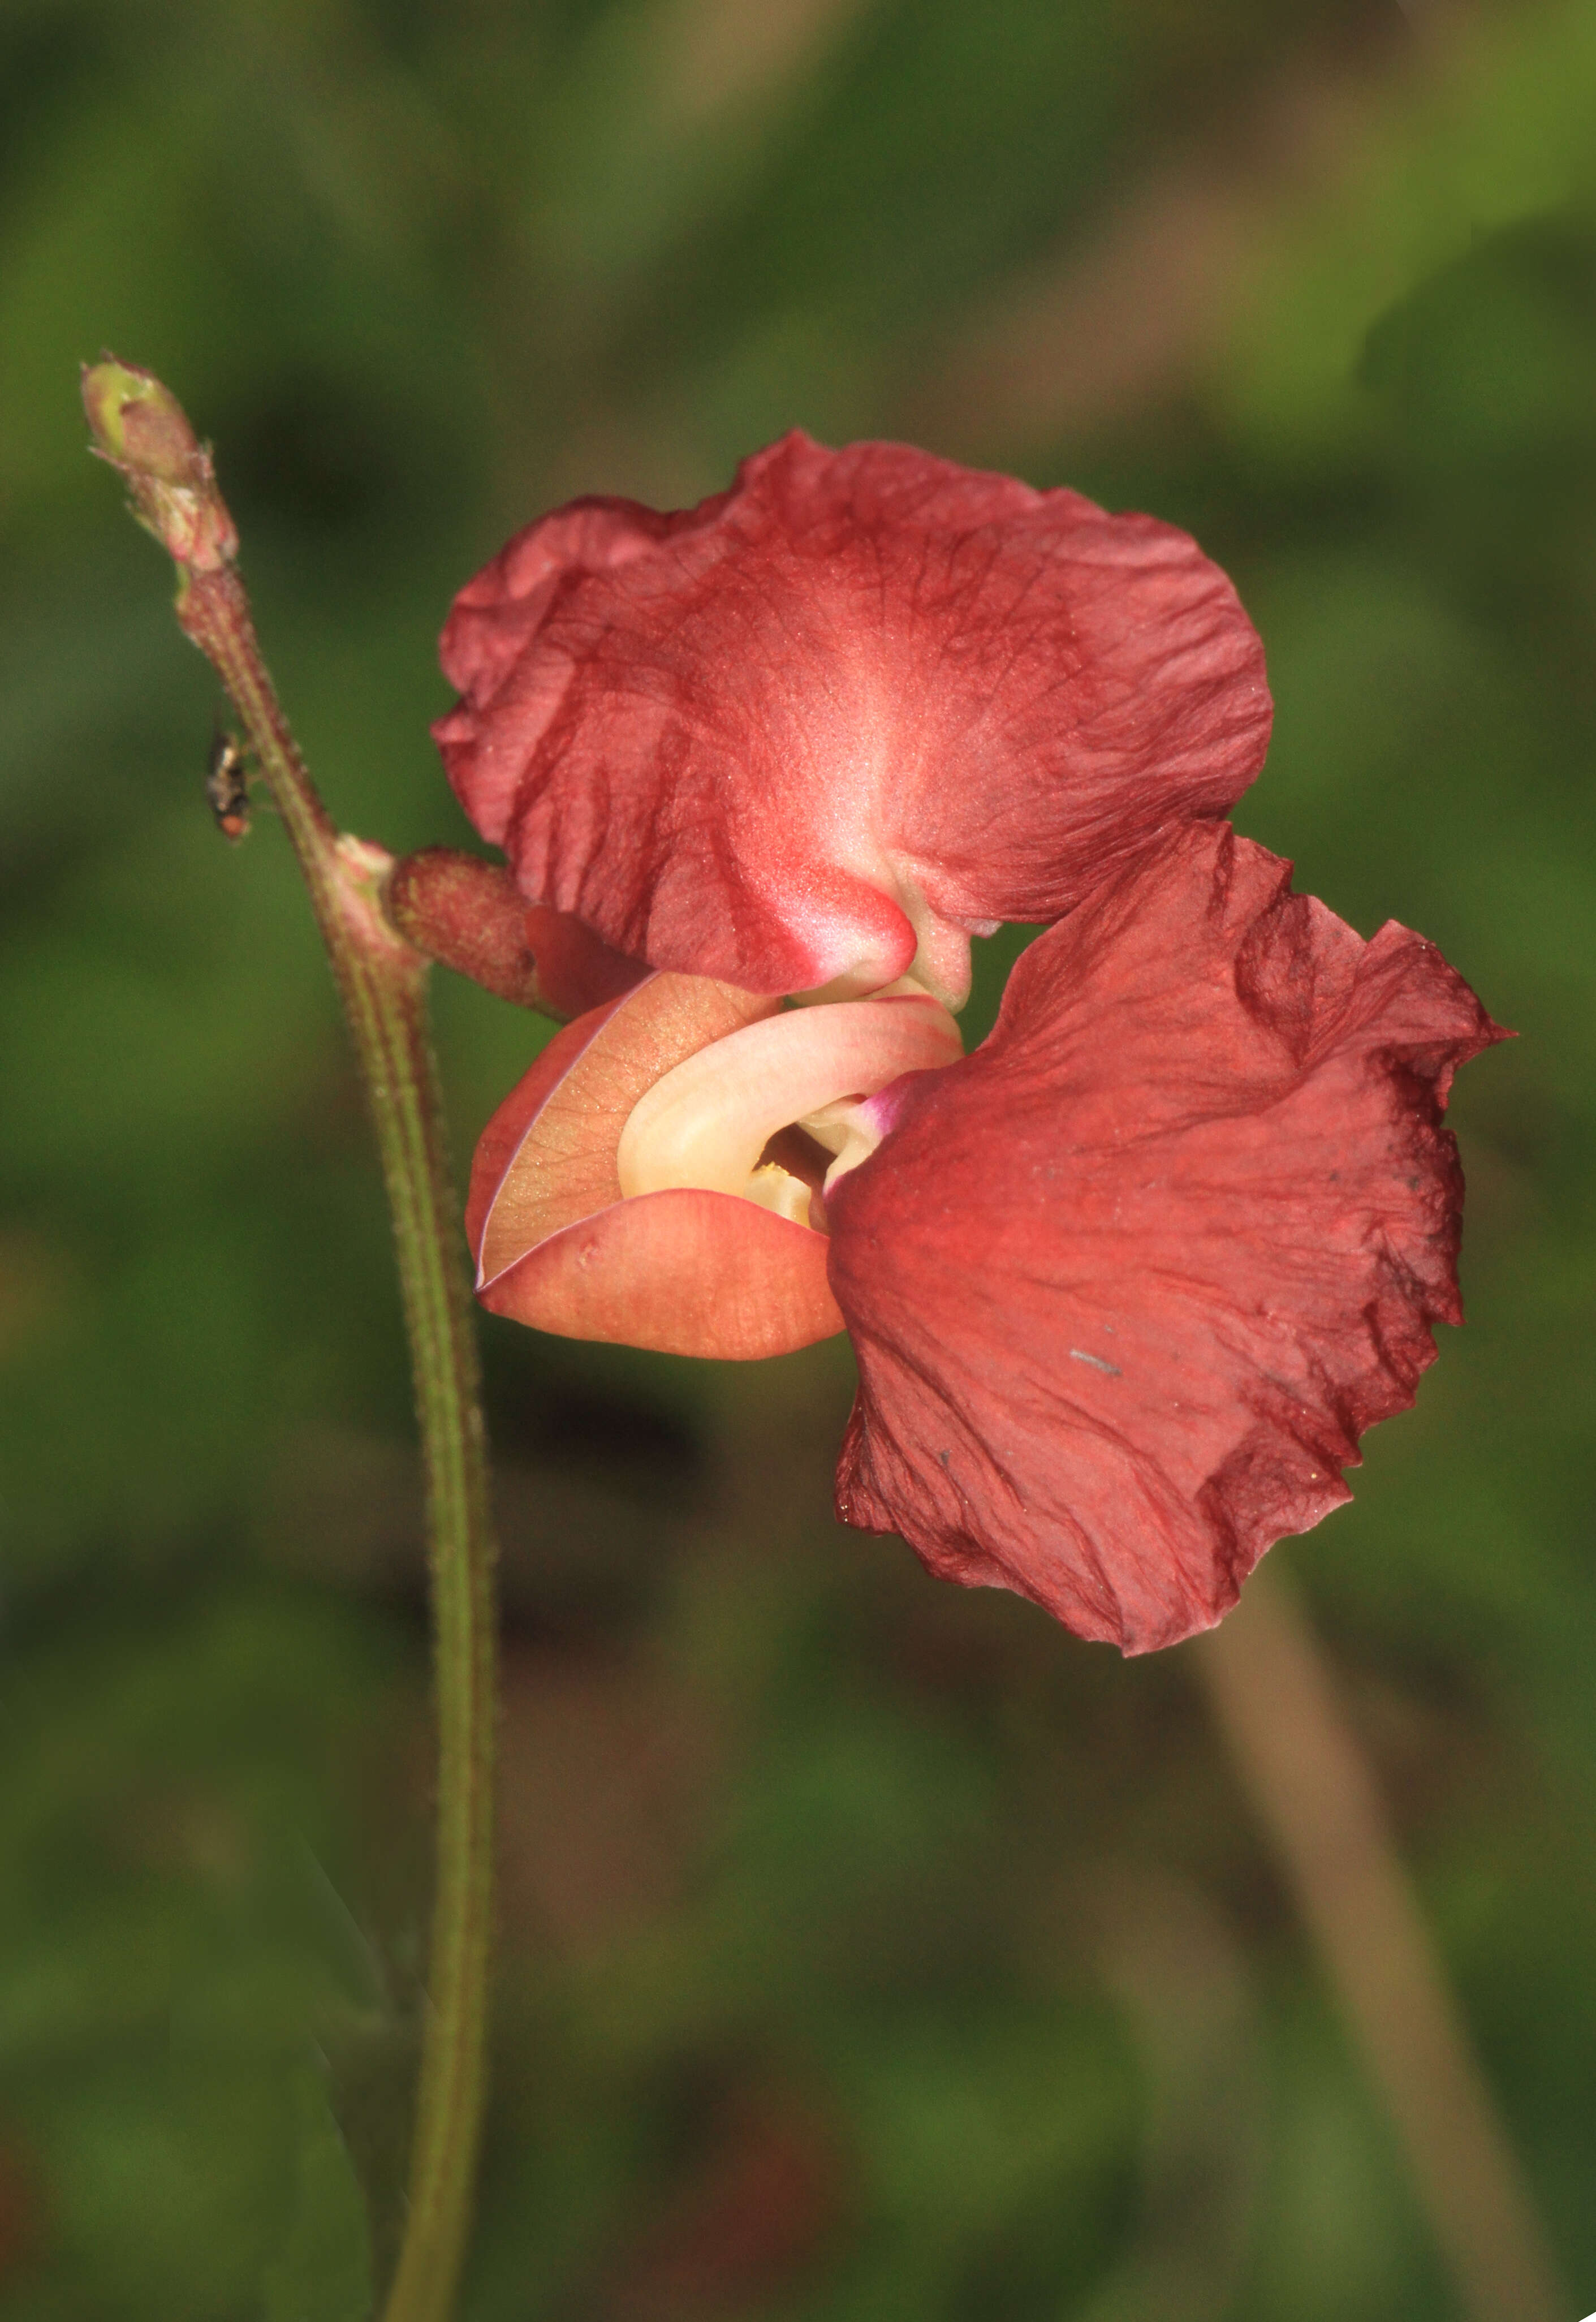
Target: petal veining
[[827, 725]]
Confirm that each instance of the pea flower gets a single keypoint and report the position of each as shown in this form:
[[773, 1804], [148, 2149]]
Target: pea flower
[[1126, 1283]]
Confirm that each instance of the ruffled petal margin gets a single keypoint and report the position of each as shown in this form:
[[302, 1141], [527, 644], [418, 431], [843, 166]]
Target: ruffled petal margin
[[1127, 1284], [830, 722]]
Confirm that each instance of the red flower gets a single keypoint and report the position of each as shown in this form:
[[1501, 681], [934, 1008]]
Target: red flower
[[1127, 1285]]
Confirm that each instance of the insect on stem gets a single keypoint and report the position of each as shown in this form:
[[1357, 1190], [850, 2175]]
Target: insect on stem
[[227, 785]]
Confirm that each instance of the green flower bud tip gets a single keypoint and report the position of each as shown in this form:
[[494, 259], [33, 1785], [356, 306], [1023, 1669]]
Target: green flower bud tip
[[139, 426]]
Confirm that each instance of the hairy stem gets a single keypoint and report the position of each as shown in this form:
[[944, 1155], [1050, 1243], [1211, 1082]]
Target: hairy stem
[[139, 427], [383, 981]]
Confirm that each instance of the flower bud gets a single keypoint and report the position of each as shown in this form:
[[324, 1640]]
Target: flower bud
[[142, 430], [471, 915]]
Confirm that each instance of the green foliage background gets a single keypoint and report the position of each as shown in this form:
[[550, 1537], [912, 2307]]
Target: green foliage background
[[870, 1950]]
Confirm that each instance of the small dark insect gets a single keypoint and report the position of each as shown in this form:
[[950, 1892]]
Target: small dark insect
[[227, 786]]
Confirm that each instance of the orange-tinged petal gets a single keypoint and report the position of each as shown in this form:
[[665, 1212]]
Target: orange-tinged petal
[[683, 1272]]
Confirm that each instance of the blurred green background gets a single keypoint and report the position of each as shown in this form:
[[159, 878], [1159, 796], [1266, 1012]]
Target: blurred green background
[[870, 1950]]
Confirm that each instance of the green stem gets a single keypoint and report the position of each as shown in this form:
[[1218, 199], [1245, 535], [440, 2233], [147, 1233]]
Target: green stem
[[383, 981], [141, 429]]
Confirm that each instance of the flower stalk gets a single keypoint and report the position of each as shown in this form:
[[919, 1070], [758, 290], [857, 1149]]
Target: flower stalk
[[141, 430], [1311, 1787]]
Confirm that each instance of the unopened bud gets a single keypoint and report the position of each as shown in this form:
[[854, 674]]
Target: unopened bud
[[142, 430], [471, 915]]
